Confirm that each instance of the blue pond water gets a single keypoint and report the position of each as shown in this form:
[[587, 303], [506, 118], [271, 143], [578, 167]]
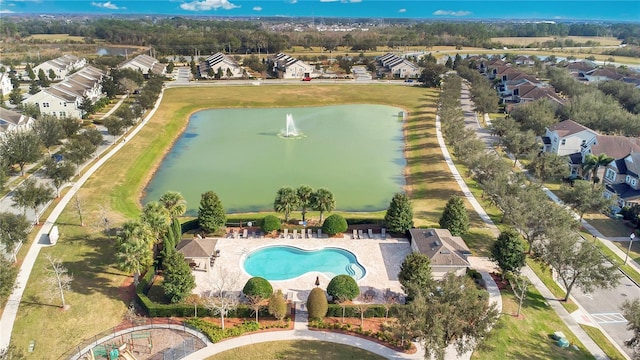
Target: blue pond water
[[288, 262]]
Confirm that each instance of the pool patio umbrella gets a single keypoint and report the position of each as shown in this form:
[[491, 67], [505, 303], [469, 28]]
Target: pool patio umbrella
[[317, 280]]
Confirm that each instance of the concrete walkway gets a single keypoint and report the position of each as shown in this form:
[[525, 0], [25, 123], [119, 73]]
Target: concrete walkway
[[42, 239], [470, 117]]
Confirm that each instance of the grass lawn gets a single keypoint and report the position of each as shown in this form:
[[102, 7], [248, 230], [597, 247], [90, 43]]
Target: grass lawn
[[56, 37], [530, 40], [527, 337], [607, 226], [556, 290], [308, 350], [609, 349]]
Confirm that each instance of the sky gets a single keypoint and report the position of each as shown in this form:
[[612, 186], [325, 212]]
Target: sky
[[549, 10]]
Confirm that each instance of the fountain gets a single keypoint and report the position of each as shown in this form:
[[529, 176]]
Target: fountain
[[290, 130]]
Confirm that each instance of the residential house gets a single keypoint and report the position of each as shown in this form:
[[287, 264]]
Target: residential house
[[13, 121], [446, 252], [523, 60], [145, 64], [602, 74], [567, 138], [219, 61], [287, 67], [5, 84], [65, 98], [61, 66], [399, 67], [622, 179]]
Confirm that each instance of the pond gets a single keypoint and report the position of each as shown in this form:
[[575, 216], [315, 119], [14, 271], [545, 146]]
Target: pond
[[355, 151]]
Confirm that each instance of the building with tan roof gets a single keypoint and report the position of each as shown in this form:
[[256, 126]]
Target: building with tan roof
[[446, 252], [61, 66], [145, 64], [13, 121]]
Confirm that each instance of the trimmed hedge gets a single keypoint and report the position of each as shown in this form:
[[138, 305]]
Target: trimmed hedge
[[190, 225], [215, 332], [374, 310], [258, 286], [334, 224], [270, 223]]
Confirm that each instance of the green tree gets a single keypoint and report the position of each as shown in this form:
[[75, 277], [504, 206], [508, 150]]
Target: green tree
[[508, 252], [454, 313], [258, 286], [43, 79], [87, 107], [174, 202], [14, 229], [334, 224], [431, 75], [70, 126], [21, 148], [30, 73], [136, 231], [178, 279], [536, 116], [631, 311], [156, 217], [134, 256], [322, 200], [15, 97], [32, 195], [285, 202], [211, 216], [399, 216], [278, 305], [92, 135], [78, 150], [8, 274], [60, 172], [548, 165], [415, 274], [520, 143], [114, 126], [49, 131], [304, 194], [584, 197], [34, 88], [270, 223], [52, 75], [317, 304], [454, 217], [343, 287], [577, 262]]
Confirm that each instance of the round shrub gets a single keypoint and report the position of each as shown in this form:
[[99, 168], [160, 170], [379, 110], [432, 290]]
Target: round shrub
[[317, 304], [257, 286], [334, 224], [270, 223], [343, 287]]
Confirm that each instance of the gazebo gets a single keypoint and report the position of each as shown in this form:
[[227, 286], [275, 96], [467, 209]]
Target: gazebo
[[198, 252]]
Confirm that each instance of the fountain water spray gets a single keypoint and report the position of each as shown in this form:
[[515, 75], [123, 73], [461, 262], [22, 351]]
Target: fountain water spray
[[290, 130]]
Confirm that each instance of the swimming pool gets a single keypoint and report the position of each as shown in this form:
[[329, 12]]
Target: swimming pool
[[287, 262]]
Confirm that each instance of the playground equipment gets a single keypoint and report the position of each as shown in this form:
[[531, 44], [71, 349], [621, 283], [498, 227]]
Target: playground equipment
[[141, 342]]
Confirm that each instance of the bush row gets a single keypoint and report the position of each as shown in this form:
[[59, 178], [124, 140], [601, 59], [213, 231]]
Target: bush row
[[373, 310], [385, 335], [215, 333]]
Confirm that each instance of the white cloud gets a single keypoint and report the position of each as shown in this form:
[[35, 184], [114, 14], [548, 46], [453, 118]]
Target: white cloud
[[107, 5], [3, 11], [355, 1], [292, 1], [451, 13], [257, 8], [329, 0], [205, 5], [402, 10]]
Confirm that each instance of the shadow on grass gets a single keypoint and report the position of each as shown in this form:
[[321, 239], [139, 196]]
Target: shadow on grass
[[479, 242]]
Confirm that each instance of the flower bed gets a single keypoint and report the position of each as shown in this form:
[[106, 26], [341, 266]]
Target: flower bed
[[374, 329]]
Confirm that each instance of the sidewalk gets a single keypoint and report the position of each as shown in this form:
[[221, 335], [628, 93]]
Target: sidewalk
[[562, 313], [42, 239]]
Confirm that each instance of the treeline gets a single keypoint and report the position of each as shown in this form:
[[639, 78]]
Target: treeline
[[186, 36]]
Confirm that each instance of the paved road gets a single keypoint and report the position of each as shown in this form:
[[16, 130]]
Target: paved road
[[599, 306]]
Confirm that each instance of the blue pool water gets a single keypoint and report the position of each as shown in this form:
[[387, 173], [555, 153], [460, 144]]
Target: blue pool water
[[288, 262]]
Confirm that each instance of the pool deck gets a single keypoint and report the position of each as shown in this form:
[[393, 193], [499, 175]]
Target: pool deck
[[380, 257]]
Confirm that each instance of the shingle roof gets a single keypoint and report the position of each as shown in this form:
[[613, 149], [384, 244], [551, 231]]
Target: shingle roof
[[632, 164], [442, 248], [615, 146], [568, 127], [624, 191], [197, 248]]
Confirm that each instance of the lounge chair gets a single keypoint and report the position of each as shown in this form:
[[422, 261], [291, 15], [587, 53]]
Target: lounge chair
[[370, 233], [360, 234], [319, 233], [383, 232], [303, 232], [355, 234], [295, 233], [309, 233], [235, 234], [245, 233], [286, 233]]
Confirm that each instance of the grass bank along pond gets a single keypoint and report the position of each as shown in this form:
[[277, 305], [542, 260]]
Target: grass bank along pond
[[245, 156]]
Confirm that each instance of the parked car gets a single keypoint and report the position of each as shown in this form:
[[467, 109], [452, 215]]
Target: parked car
[[306, 79]]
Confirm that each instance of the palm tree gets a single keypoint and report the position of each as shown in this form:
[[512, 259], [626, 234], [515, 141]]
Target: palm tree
[[304, 193], [174, 202], [286, 201], [134, 257], [322, 200], [156, 217], [136, 231], [593, 162]]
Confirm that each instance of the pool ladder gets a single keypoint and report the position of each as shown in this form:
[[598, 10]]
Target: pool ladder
[[350, 270]]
